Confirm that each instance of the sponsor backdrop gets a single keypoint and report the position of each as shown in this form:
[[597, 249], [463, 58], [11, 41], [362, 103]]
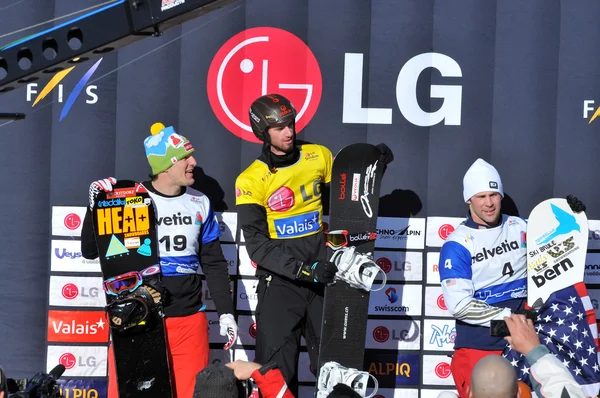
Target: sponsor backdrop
[[512, 82], [410, 333]]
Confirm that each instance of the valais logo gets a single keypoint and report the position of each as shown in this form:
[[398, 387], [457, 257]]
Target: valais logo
[[257, 62], [77, 326]]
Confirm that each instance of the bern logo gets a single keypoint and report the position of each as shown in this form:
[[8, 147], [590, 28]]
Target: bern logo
[[493, 184]]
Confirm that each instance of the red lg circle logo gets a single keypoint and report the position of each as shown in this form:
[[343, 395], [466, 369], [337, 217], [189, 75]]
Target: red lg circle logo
[[72, 221], [252, 330], [381, 334], [442, 370], [70, 291], [385, 264], [282, 199], [67, 360], [445, 231], [441, 303], [257, 62]]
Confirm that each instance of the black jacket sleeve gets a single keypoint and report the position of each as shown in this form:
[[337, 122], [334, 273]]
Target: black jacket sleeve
[[89, 249], [214, 266], [252, 219]]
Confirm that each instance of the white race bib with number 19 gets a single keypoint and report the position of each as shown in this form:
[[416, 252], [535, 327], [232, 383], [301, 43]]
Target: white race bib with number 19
[[556, 248]]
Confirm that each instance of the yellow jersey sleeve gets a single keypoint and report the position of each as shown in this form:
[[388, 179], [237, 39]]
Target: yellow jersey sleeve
[[328, 159], [248, 191]]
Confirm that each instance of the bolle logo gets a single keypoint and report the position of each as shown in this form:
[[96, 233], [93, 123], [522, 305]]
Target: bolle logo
[[441, 303], [342, 186], [56, 79], [445, 231], [262, 60], [381, 334], [443, 370], [67, 360], [72, 221], [252, 330], [385, 264], [406, 92], [70, 291]]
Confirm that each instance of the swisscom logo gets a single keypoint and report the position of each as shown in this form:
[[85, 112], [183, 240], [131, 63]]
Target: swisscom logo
[[257, 62], [90, 90]]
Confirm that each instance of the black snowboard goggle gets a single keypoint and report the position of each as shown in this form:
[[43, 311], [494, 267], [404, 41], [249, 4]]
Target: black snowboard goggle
[[128, 281], [342, 238]]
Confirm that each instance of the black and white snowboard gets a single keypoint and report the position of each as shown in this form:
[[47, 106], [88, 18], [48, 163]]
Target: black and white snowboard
[[125, 227], [354, 205]]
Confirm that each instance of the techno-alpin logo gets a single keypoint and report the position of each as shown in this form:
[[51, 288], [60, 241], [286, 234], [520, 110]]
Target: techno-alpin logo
[[90, 90]]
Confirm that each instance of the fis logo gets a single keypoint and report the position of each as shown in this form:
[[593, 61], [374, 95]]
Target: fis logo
[[588, 108], [92, 97]]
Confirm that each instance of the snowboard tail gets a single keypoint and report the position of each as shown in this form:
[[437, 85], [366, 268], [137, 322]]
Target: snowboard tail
[[125, 228]]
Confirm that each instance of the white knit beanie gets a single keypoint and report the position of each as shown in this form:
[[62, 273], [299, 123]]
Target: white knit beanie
[[481, 177]]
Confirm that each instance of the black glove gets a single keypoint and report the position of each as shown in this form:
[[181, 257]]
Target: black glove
[[386, 156], [575, 204], [320, 272]]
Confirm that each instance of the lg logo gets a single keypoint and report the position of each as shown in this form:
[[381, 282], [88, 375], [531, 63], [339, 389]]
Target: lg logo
[[406, 92], [72, 221], [445, 231], [70, 291], [69, 361], [265, 60], [260, 61], [443, 370]]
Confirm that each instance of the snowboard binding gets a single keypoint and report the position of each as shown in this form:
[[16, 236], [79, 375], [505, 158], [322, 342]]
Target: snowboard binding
[[357, 269], [332, 373], [135, 299]]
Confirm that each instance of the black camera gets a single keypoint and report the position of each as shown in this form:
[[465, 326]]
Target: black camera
[[42, 385]]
